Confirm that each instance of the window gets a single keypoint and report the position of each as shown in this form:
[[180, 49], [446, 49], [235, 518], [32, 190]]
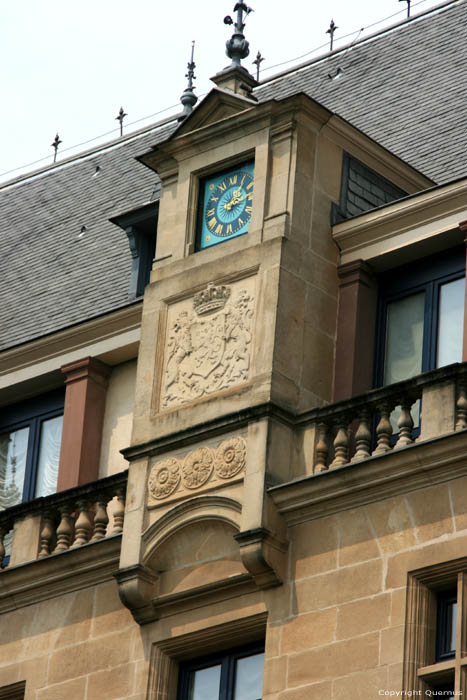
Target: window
[[140, 225], [30, 439], [436, 631], [421, 317], [236, 675]]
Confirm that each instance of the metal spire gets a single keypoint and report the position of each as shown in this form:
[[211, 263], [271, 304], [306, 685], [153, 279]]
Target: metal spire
[[188, 98], [408, 6], [120, 117], [56, 143], [257, 62], [237, 47], [332, 28]]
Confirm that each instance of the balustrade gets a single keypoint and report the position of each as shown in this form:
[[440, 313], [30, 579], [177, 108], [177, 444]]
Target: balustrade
[[355, 429], [72, 518]]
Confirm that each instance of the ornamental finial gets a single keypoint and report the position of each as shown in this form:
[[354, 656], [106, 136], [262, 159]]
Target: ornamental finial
[[257, 62], [408, 6], [120, 117], [237, 47], [331, 31], [56, 143], [188, 98]]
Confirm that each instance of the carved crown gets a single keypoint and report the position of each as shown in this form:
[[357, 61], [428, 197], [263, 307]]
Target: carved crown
[[211, 299]]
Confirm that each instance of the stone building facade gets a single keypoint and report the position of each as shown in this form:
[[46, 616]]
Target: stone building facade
[[249, 480]]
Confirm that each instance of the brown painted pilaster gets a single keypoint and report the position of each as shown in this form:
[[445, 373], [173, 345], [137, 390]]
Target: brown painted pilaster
[[86, 385], [463, 228], [356, 320]]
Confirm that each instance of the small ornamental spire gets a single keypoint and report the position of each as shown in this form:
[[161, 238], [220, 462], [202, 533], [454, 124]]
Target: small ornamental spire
[[257, 62], [408, 6], [120, 117], [237, 47], [188, 98], [332, 28], [55, 144]]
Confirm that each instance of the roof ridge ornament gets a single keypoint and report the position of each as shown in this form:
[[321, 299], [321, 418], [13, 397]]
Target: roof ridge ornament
[[408, 6], [237, 47], [188, 98], [55, 144]]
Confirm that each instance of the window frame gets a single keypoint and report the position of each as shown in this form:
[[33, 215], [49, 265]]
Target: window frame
[[422, 668], [226, 659], [427, 275], [32, 414]]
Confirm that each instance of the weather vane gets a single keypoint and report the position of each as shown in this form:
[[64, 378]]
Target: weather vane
[[408, 6], [257, 62], [56, 143], [120, 117], [188, 98], [237, 47], [332, 28]]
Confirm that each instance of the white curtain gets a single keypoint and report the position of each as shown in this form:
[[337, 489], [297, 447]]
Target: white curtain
[[13, 451], [49, 456]]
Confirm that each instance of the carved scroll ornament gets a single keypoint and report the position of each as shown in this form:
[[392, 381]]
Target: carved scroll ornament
[[197, 468], [208, 347]]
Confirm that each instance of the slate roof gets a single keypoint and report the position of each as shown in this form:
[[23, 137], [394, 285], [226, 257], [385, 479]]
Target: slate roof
[[405, 88], [50, 277]]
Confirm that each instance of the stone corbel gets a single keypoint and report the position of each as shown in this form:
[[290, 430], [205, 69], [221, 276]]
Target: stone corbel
[[263, 556], [137, 589]]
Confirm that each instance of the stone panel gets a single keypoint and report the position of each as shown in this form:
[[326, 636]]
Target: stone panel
[[209, 343]]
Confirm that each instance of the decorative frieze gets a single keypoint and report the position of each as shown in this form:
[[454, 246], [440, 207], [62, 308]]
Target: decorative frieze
[[197, 469], [208, 347]]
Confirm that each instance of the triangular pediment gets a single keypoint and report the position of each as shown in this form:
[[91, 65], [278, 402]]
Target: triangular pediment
[[218, 104]]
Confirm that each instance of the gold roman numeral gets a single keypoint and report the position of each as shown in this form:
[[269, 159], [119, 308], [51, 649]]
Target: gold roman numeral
[[248, 210], [222, 187], [240, 222], [210, 212], [229, 228], [250, 185], [218, 230], [250, 197], [212, 222], [233, 179]]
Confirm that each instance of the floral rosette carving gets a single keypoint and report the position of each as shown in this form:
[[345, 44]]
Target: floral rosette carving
[[164, 478], [230, 458], [197, 468]]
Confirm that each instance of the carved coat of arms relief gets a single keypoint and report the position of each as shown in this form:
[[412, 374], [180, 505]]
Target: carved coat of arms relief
[[208, 344]]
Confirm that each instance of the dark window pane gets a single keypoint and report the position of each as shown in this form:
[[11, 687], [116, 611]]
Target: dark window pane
[[446, 625], [205, 683], [249, 677]]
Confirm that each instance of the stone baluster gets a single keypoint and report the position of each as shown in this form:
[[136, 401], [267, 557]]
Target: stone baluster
[[101, 519], [341, 445], [119, 512], [321, 449], [362, 436], [383, 429], [65, 529], [83, 525], [461, 408], [47, 534], [405, 424]]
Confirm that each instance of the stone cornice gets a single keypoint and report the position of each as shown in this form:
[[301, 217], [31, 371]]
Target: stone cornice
[[59, 574], [421, 465], [402, 223], [103, 335], [208, 429]]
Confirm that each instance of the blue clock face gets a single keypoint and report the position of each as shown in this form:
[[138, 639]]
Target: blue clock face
[[227, 205]]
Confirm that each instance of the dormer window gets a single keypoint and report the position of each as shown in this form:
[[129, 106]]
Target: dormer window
[[140, 225]]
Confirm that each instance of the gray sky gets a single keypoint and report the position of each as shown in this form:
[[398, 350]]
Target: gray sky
[[68, 67]]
